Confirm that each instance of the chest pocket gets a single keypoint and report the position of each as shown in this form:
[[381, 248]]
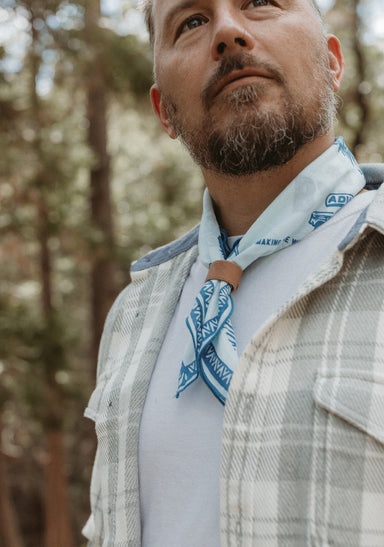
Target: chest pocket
[[356, 397], [348, 460]]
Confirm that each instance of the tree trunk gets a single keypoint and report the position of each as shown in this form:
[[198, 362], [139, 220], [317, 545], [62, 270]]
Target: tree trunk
[[362, 98], [58, 531], [10, 535], [103, 283]]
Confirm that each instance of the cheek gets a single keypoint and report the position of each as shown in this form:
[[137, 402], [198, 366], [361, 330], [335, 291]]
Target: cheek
[[303, 61], [182, 81]]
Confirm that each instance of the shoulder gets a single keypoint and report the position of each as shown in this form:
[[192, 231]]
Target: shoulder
[[156, 282], [374, 175], [167, 252], [158, 271], [373, 215]]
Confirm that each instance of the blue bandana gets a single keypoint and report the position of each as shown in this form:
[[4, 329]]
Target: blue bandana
[[311, 199]]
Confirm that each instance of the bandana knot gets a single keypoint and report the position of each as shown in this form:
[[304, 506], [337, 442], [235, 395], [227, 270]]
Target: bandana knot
[[225, 270]]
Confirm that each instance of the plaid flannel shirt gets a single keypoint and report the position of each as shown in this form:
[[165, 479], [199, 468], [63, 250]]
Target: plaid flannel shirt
[[303, 433]]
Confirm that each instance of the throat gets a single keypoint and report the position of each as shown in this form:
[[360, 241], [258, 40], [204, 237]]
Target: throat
[[240, 200], [239, 203]]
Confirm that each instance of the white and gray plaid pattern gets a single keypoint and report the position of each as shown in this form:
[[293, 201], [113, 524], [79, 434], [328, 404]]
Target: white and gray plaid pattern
[[131, 341], [303, 439]]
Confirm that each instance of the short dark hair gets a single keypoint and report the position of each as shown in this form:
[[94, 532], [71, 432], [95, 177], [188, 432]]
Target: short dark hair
[[146, 6]]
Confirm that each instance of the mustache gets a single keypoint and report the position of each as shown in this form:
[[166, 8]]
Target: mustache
[[231, 63]]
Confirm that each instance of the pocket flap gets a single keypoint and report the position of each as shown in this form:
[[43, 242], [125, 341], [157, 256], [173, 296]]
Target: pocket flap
[[356, 397], [93, 408]]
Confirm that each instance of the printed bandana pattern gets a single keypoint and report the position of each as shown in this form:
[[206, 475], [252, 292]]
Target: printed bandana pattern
[[311, 199]]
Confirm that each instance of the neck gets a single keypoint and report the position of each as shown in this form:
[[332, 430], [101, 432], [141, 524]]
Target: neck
[[239, 201]]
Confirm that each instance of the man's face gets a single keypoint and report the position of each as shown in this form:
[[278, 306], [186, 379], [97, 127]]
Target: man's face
[[243, 83]]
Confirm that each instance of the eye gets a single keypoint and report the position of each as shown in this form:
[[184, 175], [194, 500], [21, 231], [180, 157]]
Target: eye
[[257, 3], [191, 23]]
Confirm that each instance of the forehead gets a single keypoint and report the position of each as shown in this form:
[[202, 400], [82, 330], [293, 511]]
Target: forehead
[[164, 10]]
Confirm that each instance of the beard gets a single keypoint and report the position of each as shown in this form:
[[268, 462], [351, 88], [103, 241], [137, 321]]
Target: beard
[[256, 139]]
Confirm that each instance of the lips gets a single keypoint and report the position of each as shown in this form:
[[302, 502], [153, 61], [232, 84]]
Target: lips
[[235, 68], [237, 76]]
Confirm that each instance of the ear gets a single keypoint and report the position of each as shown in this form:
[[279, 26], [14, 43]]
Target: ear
[[161, 111], [336, 61]]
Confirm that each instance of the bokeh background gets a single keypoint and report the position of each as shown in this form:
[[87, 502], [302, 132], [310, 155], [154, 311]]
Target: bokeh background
[[88, 183]]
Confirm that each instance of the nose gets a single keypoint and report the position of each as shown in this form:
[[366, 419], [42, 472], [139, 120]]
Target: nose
[[230, 35]]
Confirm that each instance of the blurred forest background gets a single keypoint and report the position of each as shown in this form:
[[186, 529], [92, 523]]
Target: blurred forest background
[[88, 183]]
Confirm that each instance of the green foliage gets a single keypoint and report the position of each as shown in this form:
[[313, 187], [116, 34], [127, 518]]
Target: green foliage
[[363, 86], [128, 64], [157, 188]]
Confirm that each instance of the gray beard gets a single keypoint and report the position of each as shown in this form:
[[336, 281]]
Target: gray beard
[[256, 140]]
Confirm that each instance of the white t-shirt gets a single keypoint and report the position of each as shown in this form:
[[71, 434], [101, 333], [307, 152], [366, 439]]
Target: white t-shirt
[[180, 439]]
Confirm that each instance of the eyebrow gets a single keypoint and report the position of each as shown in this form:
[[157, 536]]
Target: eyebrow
[[176, 9]]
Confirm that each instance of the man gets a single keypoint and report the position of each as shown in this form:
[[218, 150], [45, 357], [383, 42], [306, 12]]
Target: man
[[240, 397]]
